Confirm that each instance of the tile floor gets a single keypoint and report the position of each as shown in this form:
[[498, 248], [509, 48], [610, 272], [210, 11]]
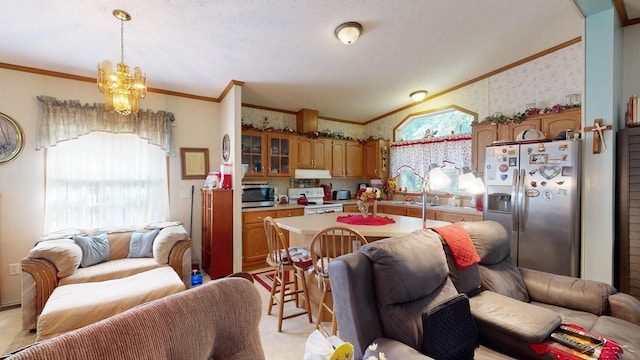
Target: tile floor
[[287, 345]]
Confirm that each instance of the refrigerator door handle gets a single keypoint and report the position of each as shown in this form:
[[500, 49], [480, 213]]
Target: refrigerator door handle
[[514, 202], [521, 201]]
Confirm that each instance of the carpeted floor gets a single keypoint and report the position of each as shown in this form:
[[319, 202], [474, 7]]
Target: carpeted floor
[[286, 345]]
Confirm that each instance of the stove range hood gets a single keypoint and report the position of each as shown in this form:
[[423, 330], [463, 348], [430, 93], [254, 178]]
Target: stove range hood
[[312, 174]]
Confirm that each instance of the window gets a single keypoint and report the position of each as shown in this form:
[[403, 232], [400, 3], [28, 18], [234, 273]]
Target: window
[[105, 180], [442, 137]]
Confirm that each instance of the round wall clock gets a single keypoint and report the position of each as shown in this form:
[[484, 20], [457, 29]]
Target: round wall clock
[[11, 139], [226, 147]]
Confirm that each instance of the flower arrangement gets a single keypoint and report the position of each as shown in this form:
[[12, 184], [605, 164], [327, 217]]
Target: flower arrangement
[[389, 187], [368, 194]]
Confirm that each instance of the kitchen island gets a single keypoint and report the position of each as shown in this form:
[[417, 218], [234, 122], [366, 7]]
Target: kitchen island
[[303, 228]]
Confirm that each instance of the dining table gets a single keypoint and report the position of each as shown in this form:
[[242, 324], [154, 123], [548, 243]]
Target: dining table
[[303, 228]]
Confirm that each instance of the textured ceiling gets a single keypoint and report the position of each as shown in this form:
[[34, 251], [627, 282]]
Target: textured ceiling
[[285, 50]]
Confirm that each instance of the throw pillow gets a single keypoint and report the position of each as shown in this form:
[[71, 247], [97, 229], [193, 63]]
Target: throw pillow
[[95, 249], [141, 245]]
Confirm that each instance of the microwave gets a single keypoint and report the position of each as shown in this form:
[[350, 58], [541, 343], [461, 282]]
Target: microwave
[[258, 196]]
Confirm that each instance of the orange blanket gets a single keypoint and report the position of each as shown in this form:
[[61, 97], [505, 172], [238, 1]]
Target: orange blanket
[[460, 244]]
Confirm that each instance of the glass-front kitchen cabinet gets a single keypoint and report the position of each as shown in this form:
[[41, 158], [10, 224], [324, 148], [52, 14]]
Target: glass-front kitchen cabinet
[[281, 155], [268, 154], [253, 155]]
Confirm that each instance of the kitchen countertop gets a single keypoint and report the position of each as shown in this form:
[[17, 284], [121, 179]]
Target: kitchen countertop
[[445, 208]]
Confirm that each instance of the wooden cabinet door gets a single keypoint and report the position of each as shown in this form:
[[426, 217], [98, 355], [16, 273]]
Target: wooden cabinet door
[[354, 159], [254, 239], [254, 153], [482, 135], [509, 132], [281, 154], [455, 217], [351, 208], [339, 157], [554, 124], [314, 153], [305, 153], [375, 163], [322, 154], [217, 232], [395, 210], [254, 245]]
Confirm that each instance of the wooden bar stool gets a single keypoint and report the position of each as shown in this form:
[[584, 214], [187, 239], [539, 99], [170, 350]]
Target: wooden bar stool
[[287, 271], [326, 245]]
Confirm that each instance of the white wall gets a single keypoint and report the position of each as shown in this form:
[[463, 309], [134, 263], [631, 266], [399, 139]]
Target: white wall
[[22, 179]]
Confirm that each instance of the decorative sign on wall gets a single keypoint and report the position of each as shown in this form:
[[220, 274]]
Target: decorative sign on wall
[[11, 139]]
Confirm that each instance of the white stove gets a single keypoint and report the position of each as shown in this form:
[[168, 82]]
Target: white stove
[[315, 198]]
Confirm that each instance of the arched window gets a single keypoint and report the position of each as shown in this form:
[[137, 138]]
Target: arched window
[[441, 136]]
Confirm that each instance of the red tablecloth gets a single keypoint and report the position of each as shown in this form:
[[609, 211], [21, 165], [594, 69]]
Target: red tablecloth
[[369, 220]]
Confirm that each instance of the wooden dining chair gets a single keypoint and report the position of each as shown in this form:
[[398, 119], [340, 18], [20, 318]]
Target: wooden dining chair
[[326, 245], [288, 271]]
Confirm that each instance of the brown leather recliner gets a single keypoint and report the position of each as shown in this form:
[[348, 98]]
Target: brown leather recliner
[[518, 305]]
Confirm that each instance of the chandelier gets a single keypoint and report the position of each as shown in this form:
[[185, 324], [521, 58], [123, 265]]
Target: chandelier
[[122, 90]]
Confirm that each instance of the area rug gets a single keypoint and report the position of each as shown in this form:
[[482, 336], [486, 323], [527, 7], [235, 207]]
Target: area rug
[[265, 278]]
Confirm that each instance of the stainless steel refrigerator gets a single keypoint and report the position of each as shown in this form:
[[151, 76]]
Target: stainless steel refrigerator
[[533, 190]]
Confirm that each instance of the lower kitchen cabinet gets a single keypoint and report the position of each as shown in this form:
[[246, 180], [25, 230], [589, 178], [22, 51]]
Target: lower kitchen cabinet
[[455, 217], [254, 239], [351, 208]]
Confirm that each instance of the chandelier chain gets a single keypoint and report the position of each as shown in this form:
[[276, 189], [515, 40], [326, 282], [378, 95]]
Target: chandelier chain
[[121, 40]]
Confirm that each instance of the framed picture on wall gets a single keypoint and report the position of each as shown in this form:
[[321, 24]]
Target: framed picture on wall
[[194, 163]]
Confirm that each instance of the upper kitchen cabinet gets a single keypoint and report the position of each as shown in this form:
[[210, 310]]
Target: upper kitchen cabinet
[[376, 159], [347, 159], [355, 159], [253, 153], [509, 131], [554, 124], [339, 158], [281, 154], [482, 135], [314, 153], [551, 124]]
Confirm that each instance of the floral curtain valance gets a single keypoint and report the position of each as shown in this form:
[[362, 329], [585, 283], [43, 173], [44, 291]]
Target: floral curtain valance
[[69, 119], [419, 154]]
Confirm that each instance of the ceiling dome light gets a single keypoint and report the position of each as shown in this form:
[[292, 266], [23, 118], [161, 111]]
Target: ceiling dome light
[[348, 32], [418, 95]]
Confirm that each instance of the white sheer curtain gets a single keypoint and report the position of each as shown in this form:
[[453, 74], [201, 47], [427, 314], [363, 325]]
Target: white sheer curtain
[[104, 180], [419, 154]]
